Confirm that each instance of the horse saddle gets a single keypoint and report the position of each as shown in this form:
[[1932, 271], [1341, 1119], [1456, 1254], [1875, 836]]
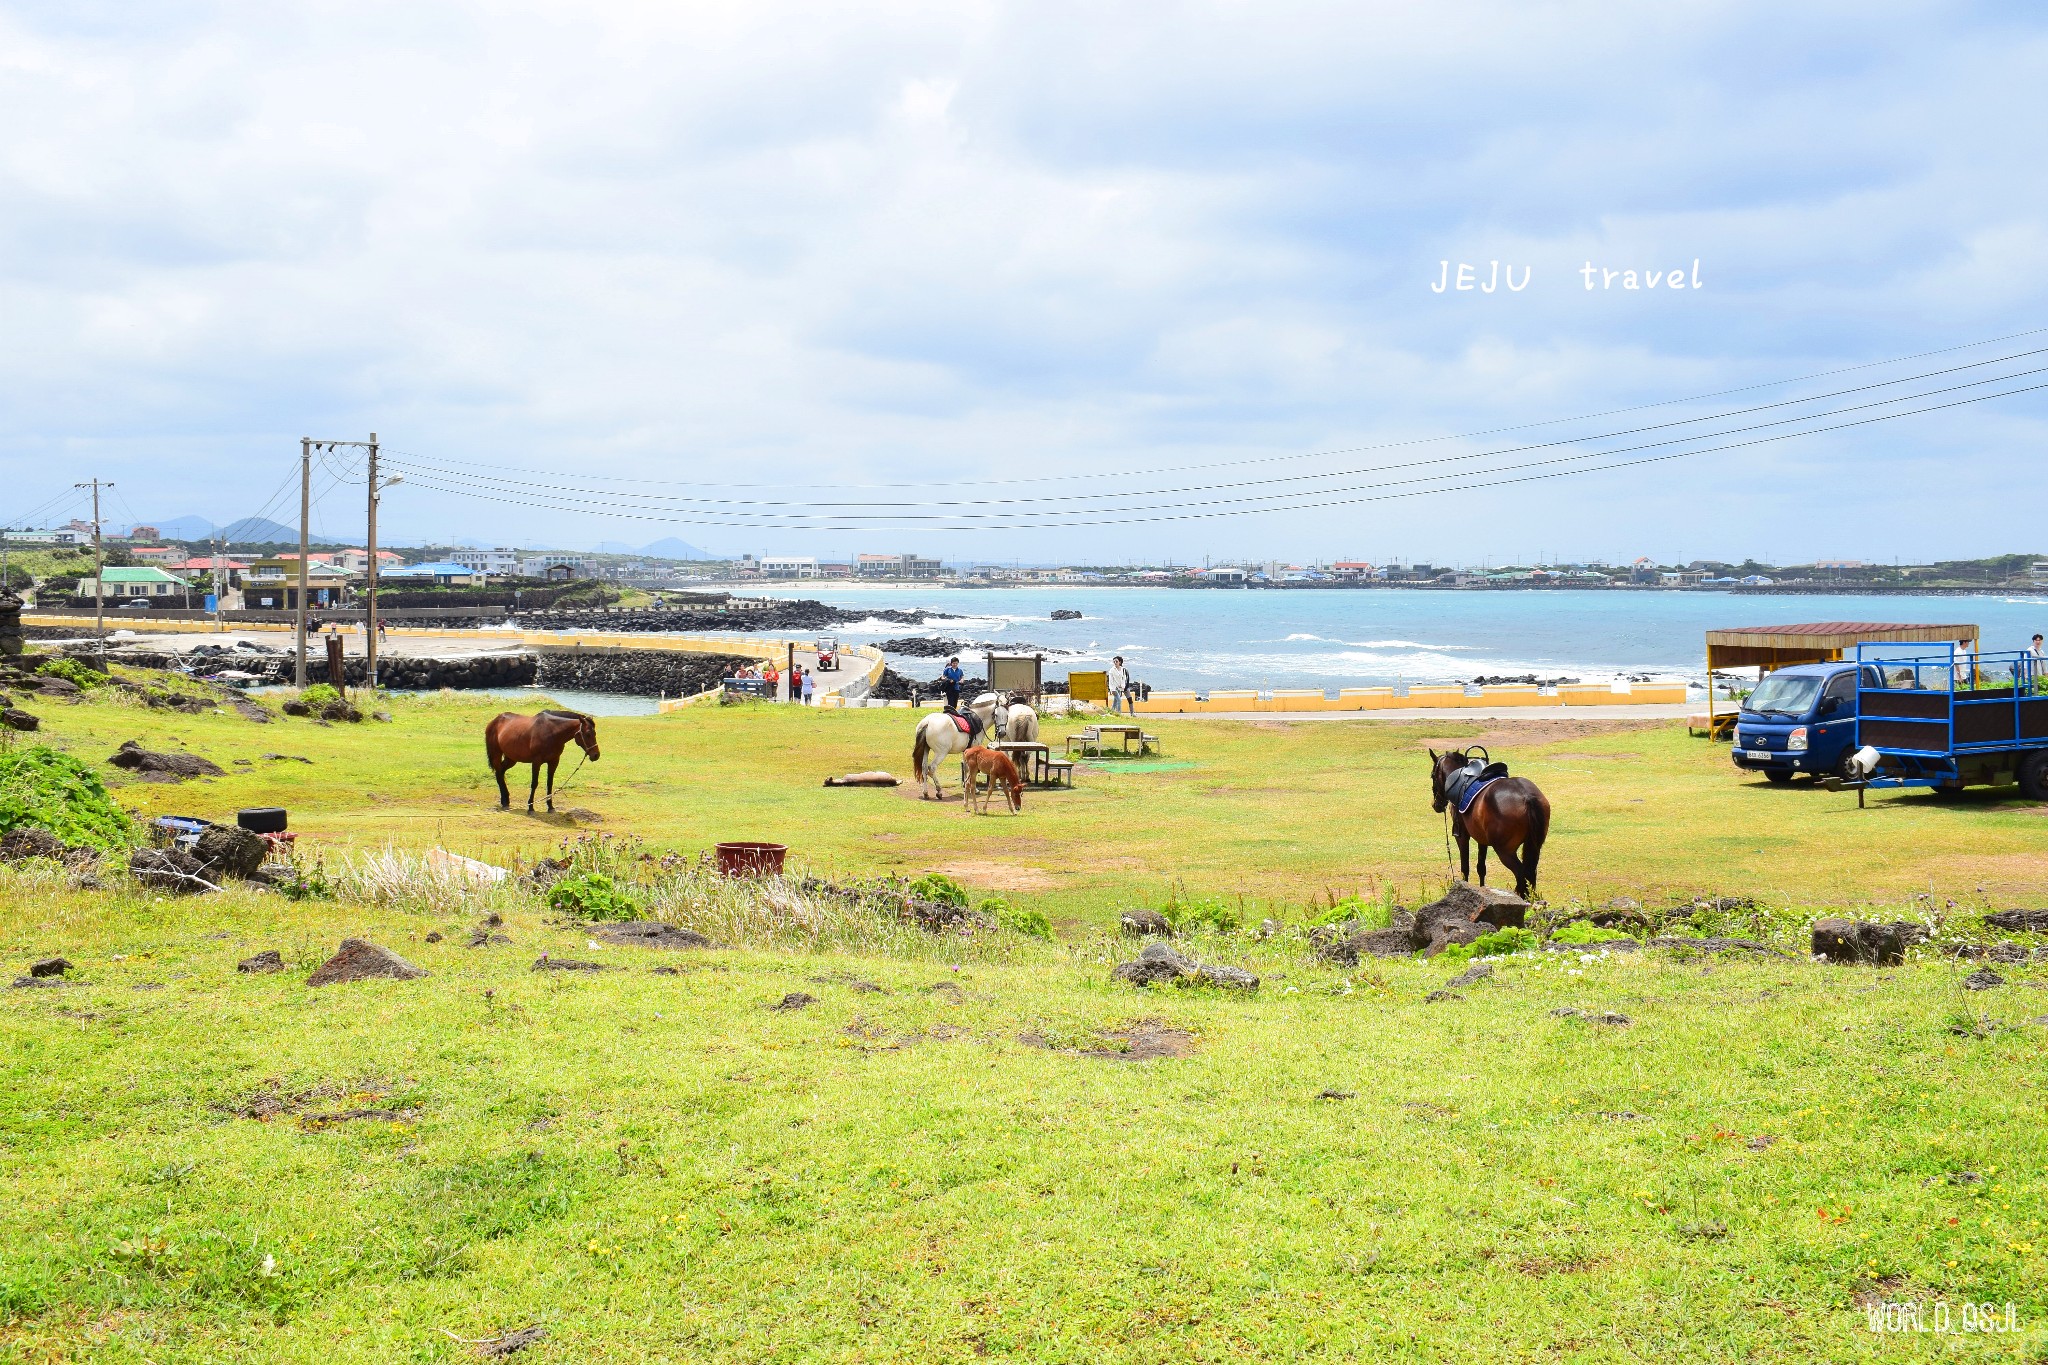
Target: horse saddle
[[969, 723], [1462, 787]]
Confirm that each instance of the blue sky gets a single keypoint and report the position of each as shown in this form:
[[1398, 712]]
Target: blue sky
[[788, 245]]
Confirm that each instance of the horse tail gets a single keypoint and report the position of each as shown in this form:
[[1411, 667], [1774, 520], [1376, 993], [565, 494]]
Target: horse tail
[[1539, 830], [919, 750], [494, 752]]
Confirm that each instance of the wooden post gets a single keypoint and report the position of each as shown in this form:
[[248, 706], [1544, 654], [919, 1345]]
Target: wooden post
[[305, 520]]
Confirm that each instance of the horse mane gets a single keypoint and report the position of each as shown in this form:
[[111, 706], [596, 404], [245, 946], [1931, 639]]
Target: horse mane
[[559, 713]]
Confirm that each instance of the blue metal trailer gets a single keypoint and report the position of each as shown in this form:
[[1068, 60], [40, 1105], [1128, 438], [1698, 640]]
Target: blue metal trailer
[[1946, 718]]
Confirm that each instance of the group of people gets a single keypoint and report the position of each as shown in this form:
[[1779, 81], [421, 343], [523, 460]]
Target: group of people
[[803, 688], [1123, 689]]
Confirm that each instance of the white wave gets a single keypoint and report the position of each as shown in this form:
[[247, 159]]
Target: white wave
[[1303, 638]]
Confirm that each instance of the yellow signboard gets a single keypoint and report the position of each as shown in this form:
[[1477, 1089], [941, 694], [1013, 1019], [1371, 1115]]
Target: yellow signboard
[[1088, 687]]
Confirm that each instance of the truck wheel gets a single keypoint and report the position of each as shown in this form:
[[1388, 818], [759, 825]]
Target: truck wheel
[[1778, 777], [1845, 767], [2033, 776]]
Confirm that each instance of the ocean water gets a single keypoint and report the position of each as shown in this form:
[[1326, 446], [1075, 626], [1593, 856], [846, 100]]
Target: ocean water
[[1180, 638]]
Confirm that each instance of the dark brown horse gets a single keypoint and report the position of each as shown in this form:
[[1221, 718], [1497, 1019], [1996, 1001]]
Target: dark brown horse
[[1511, 817], [511, 739]]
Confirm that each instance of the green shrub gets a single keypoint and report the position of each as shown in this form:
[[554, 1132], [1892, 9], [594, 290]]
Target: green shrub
[[1584, 932], [48, 790], [72, 671], [319, 695], [1017, 918], [1369, 914], [1499, 943], [939, 888], [1184, 913], [592, 896]]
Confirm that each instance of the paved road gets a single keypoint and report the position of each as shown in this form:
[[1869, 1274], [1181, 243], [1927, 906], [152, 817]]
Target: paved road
[[1493, 713]]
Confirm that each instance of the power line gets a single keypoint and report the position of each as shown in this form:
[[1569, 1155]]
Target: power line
[[670, 519], [1384, 445], [577, 499]]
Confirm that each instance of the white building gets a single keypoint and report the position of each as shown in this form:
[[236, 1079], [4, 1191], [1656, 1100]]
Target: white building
[[500, 562], [789, 566]]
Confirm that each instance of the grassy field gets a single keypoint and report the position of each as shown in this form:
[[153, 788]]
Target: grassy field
[[1274, 813], [1001, 1152]]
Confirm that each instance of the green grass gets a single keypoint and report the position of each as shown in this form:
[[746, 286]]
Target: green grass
[[1273, 814], [662, 1168]]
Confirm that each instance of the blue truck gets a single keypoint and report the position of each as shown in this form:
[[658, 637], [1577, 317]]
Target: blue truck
[[1945, 718], [1800, 719]]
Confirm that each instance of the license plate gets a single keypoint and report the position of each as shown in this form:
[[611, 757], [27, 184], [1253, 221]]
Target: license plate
[[1751, 753]]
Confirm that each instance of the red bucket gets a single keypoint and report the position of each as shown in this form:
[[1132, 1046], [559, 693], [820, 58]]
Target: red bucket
[[751, 860]]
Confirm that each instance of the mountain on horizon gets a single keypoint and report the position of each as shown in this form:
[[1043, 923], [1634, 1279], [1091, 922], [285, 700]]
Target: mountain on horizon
[[668, 547], [248, 530]]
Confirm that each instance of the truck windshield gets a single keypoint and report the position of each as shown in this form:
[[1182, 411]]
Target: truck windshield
[[1790, 696]]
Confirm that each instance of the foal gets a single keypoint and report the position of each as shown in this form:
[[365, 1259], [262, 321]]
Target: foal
[[996, 766]]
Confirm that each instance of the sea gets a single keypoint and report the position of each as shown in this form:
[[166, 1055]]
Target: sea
[[1289, 638]]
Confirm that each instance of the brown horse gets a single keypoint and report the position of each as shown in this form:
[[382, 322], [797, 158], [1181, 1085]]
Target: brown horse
[[994, 765], [1511, 817], [511, 739]]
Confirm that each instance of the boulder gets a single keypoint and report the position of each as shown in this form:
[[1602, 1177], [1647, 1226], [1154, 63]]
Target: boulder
[[50, 966], [2019, 921], [358, 959], [1478, 971], [269, 960], [169, 869], [1371, 943], [26, 841], [649, 934], [1463, 915], [1230, 978], [795, 1000], [1983, 979], [1847, 940], [230, 851], [173, 767], [16, 719], [1156, 962], [1143, 922], [340, 710], [295, 707]]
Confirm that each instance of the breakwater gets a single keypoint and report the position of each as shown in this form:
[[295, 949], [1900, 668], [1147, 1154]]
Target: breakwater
[[624, 672]]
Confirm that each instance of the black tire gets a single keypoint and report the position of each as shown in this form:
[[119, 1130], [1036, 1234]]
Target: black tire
[[1778, 777], [2033, 775], [1845, 767], [262, 819]]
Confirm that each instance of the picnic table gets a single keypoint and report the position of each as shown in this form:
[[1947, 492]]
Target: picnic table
[[1093, 737], [1033, 759]]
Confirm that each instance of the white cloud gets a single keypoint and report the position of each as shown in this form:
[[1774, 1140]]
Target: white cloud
[[796, 243]]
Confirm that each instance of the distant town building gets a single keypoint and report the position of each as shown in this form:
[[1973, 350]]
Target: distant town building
[[145, 533], [553, 566], [138, 582], [789, 566], [895, 566], [500, 563], [358, 561], [443, 573]]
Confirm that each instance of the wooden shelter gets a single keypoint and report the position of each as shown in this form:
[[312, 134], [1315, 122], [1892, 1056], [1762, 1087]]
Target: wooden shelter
[[1765, 648]]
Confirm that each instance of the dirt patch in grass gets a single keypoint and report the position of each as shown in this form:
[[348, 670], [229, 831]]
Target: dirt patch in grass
[[322, 1106], [994, 876], [1142, 1040], [1589, 758], [1528, 732]]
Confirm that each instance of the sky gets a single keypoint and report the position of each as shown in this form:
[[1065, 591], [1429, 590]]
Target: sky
[[685, 260]]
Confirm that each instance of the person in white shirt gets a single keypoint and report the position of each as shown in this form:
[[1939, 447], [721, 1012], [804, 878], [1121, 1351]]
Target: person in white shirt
[[1119, 680]]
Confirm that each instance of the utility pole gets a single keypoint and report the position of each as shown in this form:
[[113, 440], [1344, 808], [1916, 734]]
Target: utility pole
[[370, 618], [305, 528], [99, 569], [220, 592]]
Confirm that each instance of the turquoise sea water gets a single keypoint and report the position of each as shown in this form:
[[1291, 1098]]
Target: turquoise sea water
[[1249, 638]]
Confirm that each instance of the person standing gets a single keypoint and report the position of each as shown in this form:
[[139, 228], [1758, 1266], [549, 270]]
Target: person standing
[[796, 683], [951, 679], [773, 677], [810, 687], [1119, 683]]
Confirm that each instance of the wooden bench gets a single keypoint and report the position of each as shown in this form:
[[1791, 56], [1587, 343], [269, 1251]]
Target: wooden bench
[[1059, 772]]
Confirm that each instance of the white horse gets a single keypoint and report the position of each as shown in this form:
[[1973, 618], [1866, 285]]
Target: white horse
[[938, 738], [1007, 720]]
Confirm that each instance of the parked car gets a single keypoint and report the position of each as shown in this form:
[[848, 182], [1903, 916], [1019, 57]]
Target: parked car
[[1800, 720]]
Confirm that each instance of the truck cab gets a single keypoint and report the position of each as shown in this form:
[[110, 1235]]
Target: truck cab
[[1799, 720]]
